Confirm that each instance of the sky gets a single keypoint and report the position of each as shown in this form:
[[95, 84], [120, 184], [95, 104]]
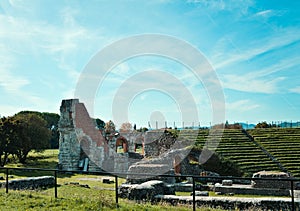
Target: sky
[[252, 47]]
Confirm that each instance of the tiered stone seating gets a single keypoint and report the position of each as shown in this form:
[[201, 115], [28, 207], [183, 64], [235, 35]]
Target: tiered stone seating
[[283, 144], [236, 146]]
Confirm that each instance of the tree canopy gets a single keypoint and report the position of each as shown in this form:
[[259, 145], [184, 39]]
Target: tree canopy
[[51, 123], [21, 134], [126, 127], [110, 127]]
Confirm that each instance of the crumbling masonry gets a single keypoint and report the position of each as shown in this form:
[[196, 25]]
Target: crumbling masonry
[[82, 146]]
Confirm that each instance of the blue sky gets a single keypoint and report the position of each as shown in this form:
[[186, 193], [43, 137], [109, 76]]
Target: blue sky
[[253, 46]]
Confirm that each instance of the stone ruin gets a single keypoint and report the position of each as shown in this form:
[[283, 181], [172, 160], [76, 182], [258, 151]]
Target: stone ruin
[[82, 146], [271, 184], [30, 183], [258, 186]]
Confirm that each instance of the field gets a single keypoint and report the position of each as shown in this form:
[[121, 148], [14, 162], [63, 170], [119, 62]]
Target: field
[[75, 192]]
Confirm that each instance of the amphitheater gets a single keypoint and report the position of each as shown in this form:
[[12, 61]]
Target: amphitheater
[[268, 149]]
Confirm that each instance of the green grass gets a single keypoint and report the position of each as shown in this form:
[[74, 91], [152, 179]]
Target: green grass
[[72, 191], [283, 144]]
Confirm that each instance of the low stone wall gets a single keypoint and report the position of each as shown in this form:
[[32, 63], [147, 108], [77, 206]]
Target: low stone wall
[[30, 183], [249, 190], [233, 203]]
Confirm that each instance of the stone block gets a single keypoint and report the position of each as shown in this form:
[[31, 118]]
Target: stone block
[[227, 182], [201, 193]]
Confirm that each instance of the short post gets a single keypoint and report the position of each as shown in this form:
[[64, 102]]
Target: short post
[[292, 194], [6, 185], [55, 185], [116, 187], [194, 195]]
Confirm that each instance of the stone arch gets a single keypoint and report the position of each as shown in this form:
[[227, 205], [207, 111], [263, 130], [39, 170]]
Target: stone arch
[[121, 141], [139, 142], [177, 164], [84, 148]]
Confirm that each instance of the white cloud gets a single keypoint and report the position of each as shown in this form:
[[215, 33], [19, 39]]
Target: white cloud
[[227, 54], [241, 106], [268, 13], [259, 81], [295, 90], [238, 6], [248, 83], [264, 13], [281, 65], [9, 81]]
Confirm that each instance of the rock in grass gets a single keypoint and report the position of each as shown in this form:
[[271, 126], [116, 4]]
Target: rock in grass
[[201, 193]]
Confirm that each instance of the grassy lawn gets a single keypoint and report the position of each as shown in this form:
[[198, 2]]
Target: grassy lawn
[[75, 191]]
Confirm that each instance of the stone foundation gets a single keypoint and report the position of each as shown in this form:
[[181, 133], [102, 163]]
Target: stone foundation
[[30, 183], [232, 203]]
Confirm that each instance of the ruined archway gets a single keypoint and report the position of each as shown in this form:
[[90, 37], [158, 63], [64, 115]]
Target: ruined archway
[[84, 154], [121, 141], [139, 145], [177, 165], [84, 148]]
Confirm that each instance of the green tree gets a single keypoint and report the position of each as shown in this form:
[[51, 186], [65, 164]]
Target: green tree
[[110, 127], [263, 125], [52, 123], [100, 123], [8, 136], [32, 134]]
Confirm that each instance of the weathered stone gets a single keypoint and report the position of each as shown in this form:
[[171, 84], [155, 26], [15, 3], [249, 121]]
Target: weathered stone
[[249, 190], [270, 184], [233, 203], [107, 181], [30, 183], [83, 147], [227, 182], [145, 191], [140, 173], [201, 193]]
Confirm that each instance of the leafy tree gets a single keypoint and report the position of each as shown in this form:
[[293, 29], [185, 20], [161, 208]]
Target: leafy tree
[[110, 127], [100, 123], [8, 136], [227, 126], [126, 127], [52, 123], [263, 125], [142, 129], [32, 134]]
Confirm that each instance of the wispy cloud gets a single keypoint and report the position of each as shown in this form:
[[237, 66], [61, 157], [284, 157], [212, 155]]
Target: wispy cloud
[[11, 82], [227, 55], [241, 106], [232, 5], [248, 83], [269, 13], [295, 90]]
